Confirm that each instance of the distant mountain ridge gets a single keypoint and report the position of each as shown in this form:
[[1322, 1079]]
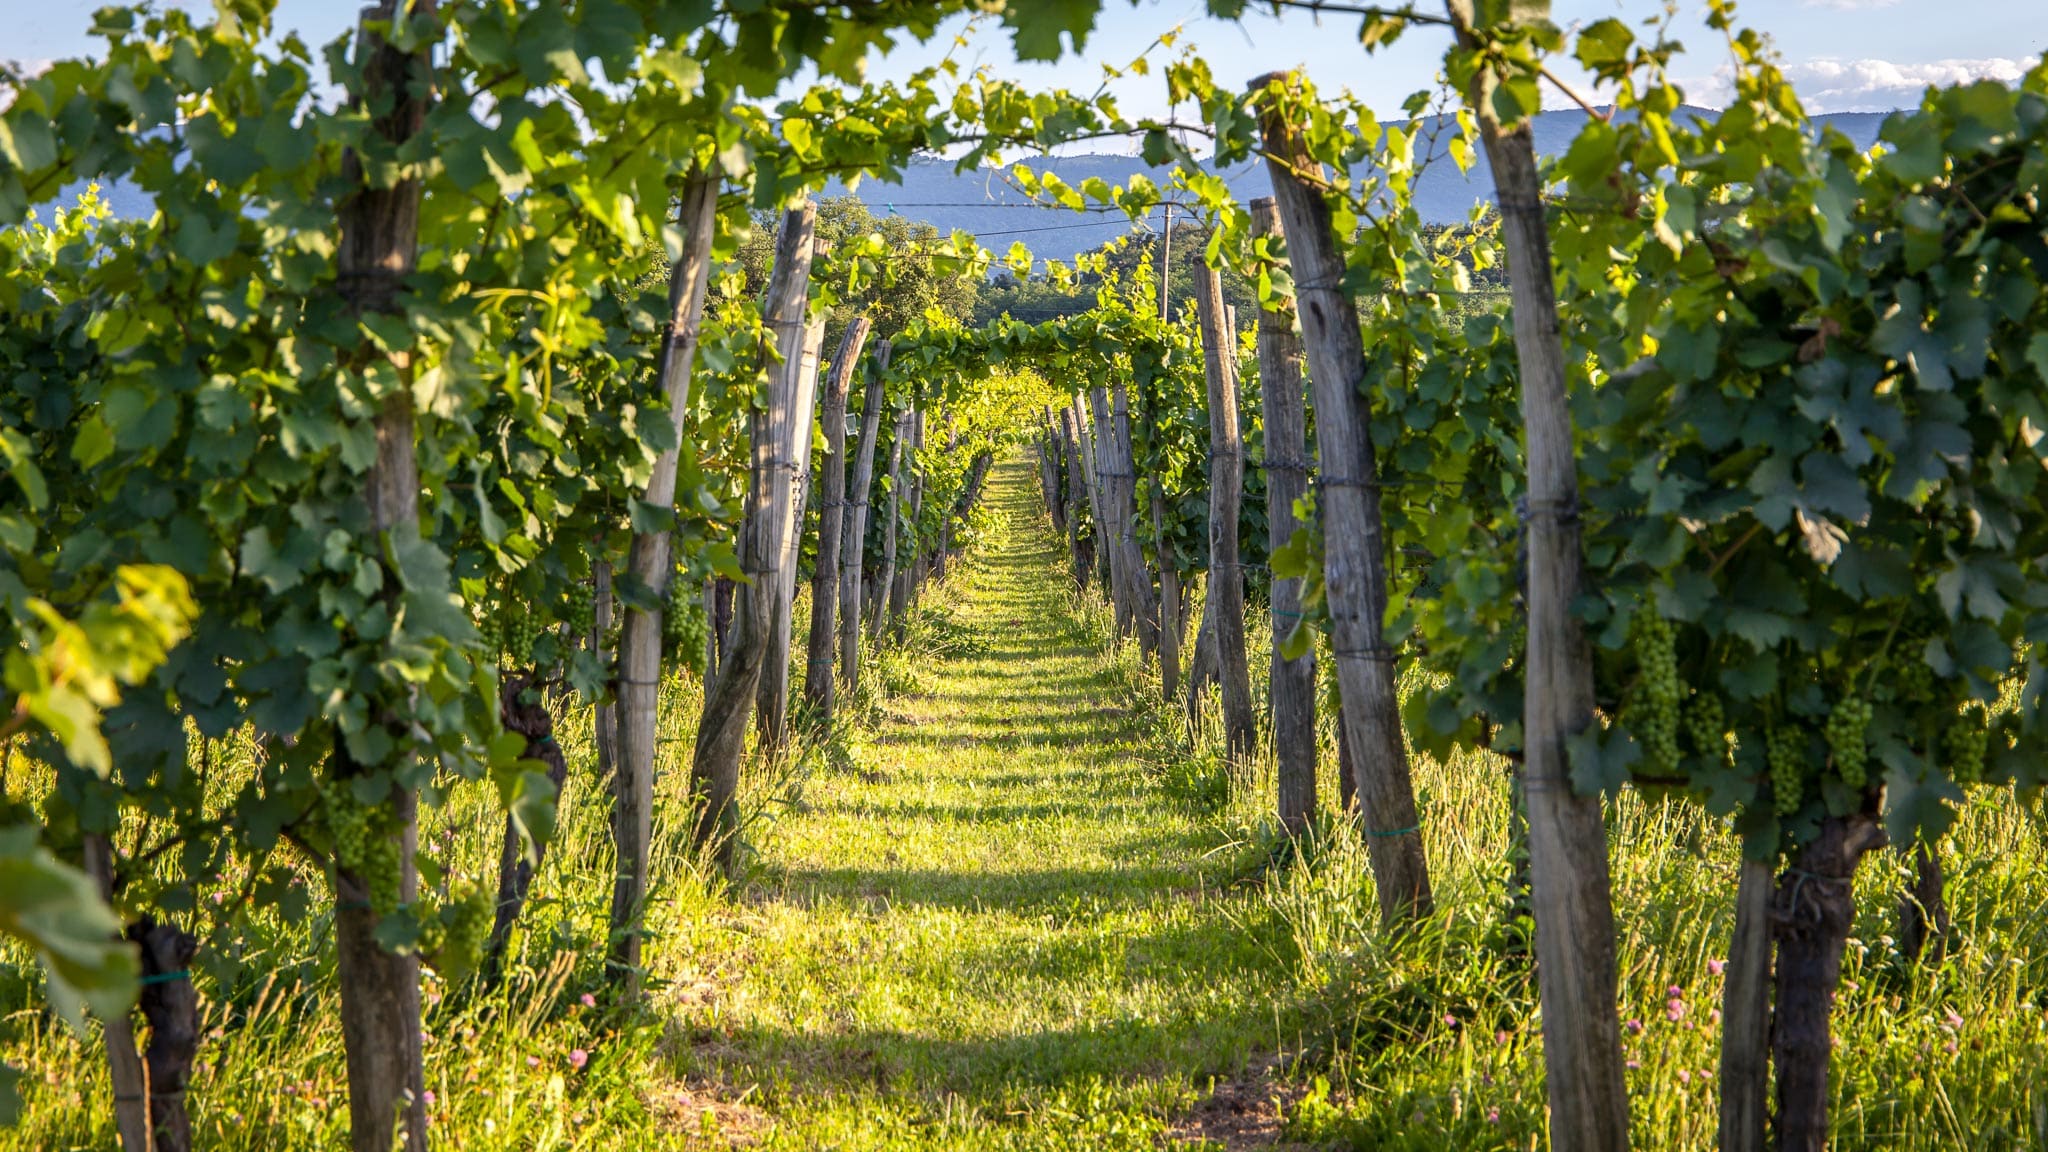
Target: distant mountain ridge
[[984, 204]]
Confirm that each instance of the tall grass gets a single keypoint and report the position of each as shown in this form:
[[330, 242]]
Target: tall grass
[[1431, 1039]]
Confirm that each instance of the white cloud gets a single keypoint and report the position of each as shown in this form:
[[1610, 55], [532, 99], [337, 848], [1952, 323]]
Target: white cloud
[[1847, 5], [1867, 85], [1827, 85]]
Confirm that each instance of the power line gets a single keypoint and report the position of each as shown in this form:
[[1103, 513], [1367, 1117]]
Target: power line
[[978, 205], [1048, 228]]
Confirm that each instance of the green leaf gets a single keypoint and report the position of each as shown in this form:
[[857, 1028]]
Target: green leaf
[[1037, 25], [1600, 759], [26, 140], [56, 911]]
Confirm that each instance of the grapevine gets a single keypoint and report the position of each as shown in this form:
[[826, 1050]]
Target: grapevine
[[1706, 725], [1963, 743], [522, 628], [363, 845], [1844, 732], [580, 608], [1785, 749], [683, 627], [1652, 714]]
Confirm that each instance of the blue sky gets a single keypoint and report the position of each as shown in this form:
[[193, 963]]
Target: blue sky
[[1843, 55]]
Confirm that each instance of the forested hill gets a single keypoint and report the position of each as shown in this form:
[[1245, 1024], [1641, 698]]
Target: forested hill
[[984, 204]]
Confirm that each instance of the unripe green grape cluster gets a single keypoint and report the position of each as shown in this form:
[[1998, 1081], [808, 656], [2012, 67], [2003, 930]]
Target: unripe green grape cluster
[[363, 845], [1844, 732], [683, 627], [491, 631], [1963, 744], [1653, 714], [579, 608], [522, 627], [1706, 725], [1785, 751]]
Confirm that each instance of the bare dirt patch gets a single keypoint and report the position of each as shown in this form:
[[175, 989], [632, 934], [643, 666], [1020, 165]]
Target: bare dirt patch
[[1244, 1112], [706, 1116]]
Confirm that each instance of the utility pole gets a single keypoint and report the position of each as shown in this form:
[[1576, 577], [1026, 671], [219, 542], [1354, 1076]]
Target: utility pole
[[1166, 261]]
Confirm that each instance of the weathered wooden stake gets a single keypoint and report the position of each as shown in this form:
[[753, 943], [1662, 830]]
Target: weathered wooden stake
[[854, 549], [1354, 544], [1746, 1014], [764, 536], [378, 250], [891, 526], [650, 563], [772, 705], [1226, 494], [833, 517], [1567, 841], [1282, 383]]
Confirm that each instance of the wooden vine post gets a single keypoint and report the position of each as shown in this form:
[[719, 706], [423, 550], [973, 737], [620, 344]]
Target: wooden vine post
[[651, 564], [772, 707], [906, 573], [945, 548], [1226, 494], [1123, 497], [1746, 1015], [1085, 437], [1169, 570], [605, 717], [891, 527], [379, 248], [124, 1062], [764, 532], [1049, 473], [1282, 382], [1570, 891], [833, 517], [1354, 544], [853, 548], [1118, 586], [1075, 481]]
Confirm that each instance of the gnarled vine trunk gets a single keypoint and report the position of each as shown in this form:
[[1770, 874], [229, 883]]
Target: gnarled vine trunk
[[1924, 924], [529, 718], [1813, 910]]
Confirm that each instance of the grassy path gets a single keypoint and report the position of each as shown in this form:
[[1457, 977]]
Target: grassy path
[[992, 932]]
